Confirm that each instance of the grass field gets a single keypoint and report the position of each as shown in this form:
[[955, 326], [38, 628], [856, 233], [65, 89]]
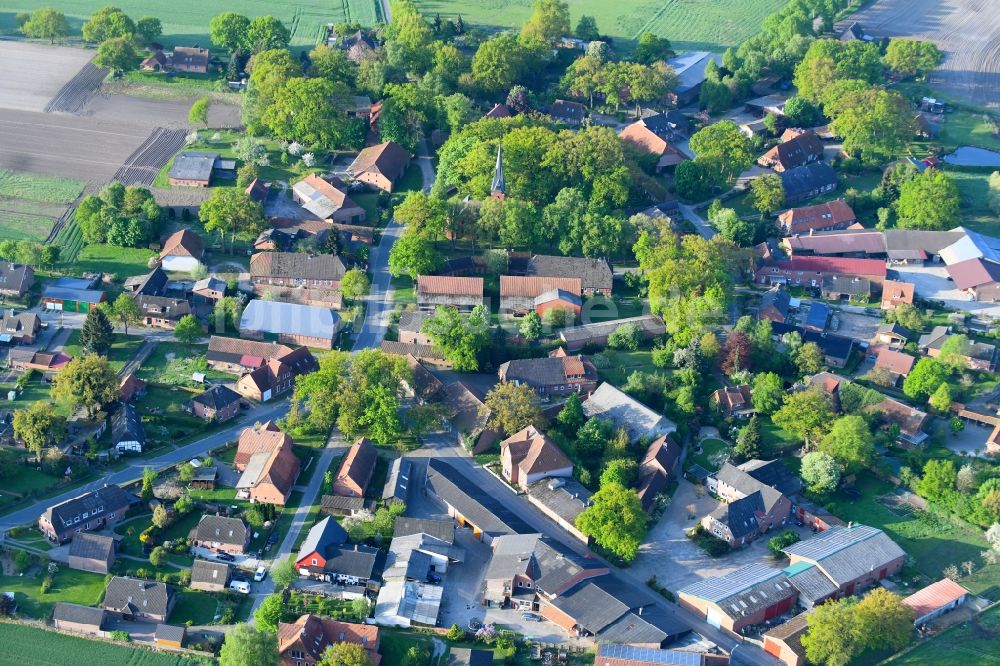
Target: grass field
[[689, 24], [974, 186], [970, 644], [31, 204], [195, 606], [78, 587], [122, 350], [123, 262], [20, 644], [711, 450], [185, 22]]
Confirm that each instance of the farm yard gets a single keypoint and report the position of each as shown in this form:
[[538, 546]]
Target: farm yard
[[186, 22], [689, 24], [966, 31]]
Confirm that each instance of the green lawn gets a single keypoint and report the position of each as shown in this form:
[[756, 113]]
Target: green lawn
[[932, 541], [710, 450], [78, 587], [122, 349], [689, 24], [164, 417], [974, 186], [33, 187], [122, 262], [30, 204], [615, 365], [185, 22], [394, 643], [967, 128], [182, 82], [774, 440], [194, 606], [969, 644], [29, 479], [173, 363], [22, 644]]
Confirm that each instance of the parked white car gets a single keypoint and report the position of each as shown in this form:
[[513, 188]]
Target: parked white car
[[240, 586], [259, 574]]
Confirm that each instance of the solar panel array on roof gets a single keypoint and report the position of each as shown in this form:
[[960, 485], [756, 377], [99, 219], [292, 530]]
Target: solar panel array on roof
[[649, 655], [722, 587], [831, 541]]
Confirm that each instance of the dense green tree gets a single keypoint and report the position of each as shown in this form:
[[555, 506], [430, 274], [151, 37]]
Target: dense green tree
[[530, 327], [907, 315], [549, 21], [510, 407], [232, 212], [828, 61], [284, 573], [422, 215], [930, 201], [571, 417], [46, 23], [800, 112], [784, 540], [910, 57], [767, 391], [108, 22], [97, 333], [874, 123], [268, 614], [188, 329], [806, 414], [355, 284], [748, 440], [459, 111], [941, 398], [116, 54], [955, 352], [148, 29], [925, 378], [832, 635], [269, 71], [86, 381], [884, 622], [625, 336], [809, 359], [586, 29], [314, 112], [330, 63], [345, 654], [198, 114], [651, 48], [500, 62], [724, 141], [850, 442], [413, 255], [456, 337], [249, 645], [820, 472], [126, 311], [229, 30], [265, 33], [622, 471], [616, 521], [38, 426], [409, 39], [938, 479], [768, 193]]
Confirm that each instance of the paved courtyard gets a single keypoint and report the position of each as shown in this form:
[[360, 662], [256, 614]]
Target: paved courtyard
[[932, 283]]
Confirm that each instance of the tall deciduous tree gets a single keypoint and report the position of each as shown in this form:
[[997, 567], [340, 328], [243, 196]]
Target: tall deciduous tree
[[766, 392], [228, 30], [148, 29], [188, 329], [355, 284], [874, 123], [931, 201], [109, 22], [850, 442], [345, 654], [616, 520], [46, 23], [232, 212], [247, 645], [925, 378], [265, 33], [510, 407], [413, 255], [312, 111], [198, 114], [806, 414], [459, 338], [38, 426], [768, 193], [268, 614], [549, 21], [126, 311], [910, 57], [820, 472], [832, 636], [116, 54], [86, 381], [724, 141]]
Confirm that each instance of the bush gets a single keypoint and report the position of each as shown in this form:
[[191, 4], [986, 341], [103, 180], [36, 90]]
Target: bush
[[21, 561], [46, 584], [119, 635], [783, 540]]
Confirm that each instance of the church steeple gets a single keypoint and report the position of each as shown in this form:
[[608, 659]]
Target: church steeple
[[499, 187]]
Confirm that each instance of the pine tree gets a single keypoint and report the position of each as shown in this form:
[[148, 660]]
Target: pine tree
[[96, 333], [459, 25], [748, 441]]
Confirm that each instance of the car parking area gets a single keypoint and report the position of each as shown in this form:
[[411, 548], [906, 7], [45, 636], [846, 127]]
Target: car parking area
[[856, 326], [932, 283]]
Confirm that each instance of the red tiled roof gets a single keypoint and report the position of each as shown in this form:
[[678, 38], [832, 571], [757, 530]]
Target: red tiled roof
[[897, 292], [359, 463], [259, 438], [806, 218], [530, 287], [974, 272], [841, 265], [935, 596], [183, 243], [449, 286]]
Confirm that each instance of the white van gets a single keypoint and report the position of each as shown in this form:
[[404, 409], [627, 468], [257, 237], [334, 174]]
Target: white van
[[240, 586]]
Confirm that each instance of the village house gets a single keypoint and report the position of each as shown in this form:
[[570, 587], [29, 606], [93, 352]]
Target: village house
[[576, 338], [80, 619], [162, 311], [933, 601], [131, 387], [72, 295], [774, 305], [153, 283], [358, 45], [892, 335], [734, 401], [138, 600], [647, 140], [380, 166], [209, 290], [850, 242], [518, 293], [810, 271], [327, 199], [784, 642], [221, 534], [189, 59], [335, 505], [468, 415], [801, 149], [90, 511], [750, 595], [48, 363], [753, 500], [296, 269], [210, 576], [852, 558], [182, 252], [806, 182], [219, 403], [258, 191], [237, 356], [463, 293], [978, 355], [425, 386], [19, 329], [656, 468], [973, 263], [827, 216], [690, 68], [571, 113], [409, 327], [303, 642], [528, 456], [555, 376], [397, 481], [469, 504], [327, 556], [562, 500], [896, 363], [290, 323], [896, 293], [356, 470], [425, 354], [195, 169], [845, 288], [259, 438], [626, 413], [15, 279], [92, 552], [269, 476]]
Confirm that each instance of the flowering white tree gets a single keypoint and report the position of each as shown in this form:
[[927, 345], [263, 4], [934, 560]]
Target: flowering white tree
[[309, 160], [191, 138], [993, 536], [295, 148]]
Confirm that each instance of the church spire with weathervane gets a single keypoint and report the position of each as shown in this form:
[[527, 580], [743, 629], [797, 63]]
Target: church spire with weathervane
[[499, 187]]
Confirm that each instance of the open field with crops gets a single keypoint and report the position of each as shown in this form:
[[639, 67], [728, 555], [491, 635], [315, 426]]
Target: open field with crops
[[30, 205], [690, 24], [20, 644], [185, 22]]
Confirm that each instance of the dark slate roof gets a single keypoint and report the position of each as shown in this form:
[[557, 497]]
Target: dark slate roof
[[597, 603], [13, 276], [170, 632], [810, 581], [222, 529], [470, 657], [298, 265], [204, 571], [466, 496], [330, 503], [126, 426], [78, 614], [554, 565], [397, 483], [163, 307], [652, 626], [546, 371], [110, 497], [773, 473], [217, 397], [779, 299], [439, 529], [735, 477], [566, 498], [836, 346], [741, 515], [193, 165], [322, 535], [412, 321], [593, 273], [801, 180], [819, 314], [92, 546], [153, 283], [357, 561], [144, 596]]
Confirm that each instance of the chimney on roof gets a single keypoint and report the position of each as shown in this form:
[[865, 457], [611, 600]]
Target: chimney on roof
[[850, 524]]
